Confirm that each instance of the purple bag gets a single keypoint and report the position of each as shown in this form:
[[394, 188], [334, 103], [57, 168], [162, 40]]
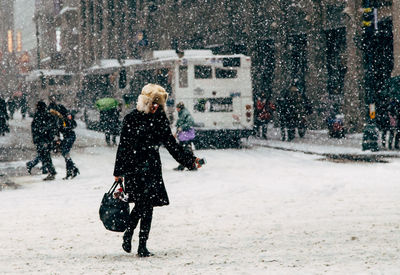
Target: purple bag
[[186, 135]]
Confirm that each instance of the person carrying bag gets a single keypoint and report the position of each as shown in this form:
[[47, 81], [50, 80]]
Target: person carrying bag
[[185, 132], [114, 208], [138, 161]]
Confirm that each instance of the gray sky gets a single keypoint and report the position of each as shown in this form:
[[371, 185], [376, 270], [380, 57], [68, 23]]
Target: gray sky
[[23, 14]]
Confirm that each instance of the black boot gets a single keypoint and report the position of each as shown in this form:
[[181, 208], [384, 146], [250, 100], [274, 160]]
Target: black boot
[[29, 167], [72, 171], [50, 176], [68, 175], [142, 249], [75, 172], [127, 241]]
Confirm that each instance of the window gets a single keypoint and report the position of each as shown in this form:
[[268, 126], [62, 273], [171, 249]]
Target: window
[[52, 81], [231, 62], [225, 73], [202, 72], [67, 79], [183, 76]]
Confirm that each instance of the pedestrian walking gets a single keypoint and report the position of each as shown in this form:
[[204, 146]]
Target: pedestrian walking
[[43, 130], [384, 119], [23, 105], [138, 161], [264, 112], [395, 113], [288, 113], [3, 117], [12, 106], [185, 132], [66, 135], [110, 125], [294, 107]]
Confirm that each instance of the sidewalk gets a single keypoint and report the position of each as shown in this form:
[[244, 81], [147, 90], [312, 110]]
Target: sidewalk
[[318, 142]]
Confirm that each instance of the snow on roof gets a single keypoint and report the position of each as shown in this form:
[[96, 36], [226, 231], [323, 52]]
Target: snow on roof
[[35, 74], [66, 9], [104, 66], [129, 62], [46, 59], [188, 53]]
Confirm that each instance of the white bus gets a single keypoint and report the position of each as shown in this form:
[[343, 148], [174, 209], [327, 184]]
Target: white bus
[[40, 84], [216, 89]]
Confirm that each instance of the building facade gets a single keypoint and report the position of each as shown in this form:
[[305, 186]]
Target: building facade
[[7, 44], [321, 45]]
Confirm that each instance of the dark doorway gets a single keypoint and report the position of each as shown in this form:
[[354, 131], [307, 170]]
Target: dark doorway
[[383, 60], [336, 66], [263, 64], [298, 60]]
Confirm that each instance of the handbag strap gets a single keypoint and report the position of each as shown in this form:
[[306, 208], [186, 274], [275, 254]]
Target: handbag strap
[[114, 186]]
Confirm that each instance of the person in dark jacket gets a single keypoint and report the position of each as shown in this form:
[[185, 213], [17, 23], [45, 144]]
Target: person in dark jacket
[[3, 117], [138, 161], [24, 105], [109, 123], [294, 107], [287, 114], [12, 106], [43, 130], [65, 125], [184, 130]]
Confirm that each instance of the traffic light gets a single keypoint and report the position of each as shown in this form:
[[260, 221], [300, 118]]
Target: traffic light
[[368, 16]]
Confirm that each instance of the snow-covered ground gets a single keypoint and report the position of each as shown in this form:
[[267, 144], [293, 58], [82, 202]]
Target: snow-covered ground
[[249, 211]]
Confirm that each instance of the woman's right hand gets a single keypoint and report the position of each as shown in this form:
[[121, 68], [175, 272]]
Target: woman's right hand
[[199, 162]]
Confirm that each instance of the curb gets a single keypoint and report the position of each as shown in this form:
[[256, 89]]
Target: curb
[[366, 156]]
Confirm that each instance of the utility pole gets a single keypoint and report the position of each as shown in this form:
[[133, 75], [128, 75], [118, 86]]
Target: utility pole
[[36, 19], [370, 28]]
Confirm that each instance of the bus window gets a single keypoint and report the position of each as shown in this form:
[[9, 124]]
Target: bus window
[[225, 73], [183, 76], [202, 72]]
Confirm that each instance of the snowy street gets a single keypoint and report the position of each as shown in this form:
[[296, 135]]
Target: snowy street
[[248, 211], [287, 114]]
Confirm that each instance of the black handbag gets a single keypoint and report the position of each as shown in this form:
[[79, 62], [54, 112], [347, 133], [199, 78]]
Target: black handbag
[[114, 212]]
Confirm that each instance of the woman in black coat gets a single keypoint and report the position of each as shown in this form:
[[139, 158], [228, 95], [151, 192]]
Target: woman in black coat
[[138, 161]]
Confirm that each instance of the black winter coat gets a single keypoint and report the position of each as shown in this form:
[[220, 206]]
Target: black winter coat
[[109, 121], [44, 127], [138, 157]]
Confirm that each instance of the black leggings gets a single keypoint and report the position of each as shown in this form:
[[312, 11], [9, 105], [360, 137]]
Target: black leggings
[[142, 211]]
